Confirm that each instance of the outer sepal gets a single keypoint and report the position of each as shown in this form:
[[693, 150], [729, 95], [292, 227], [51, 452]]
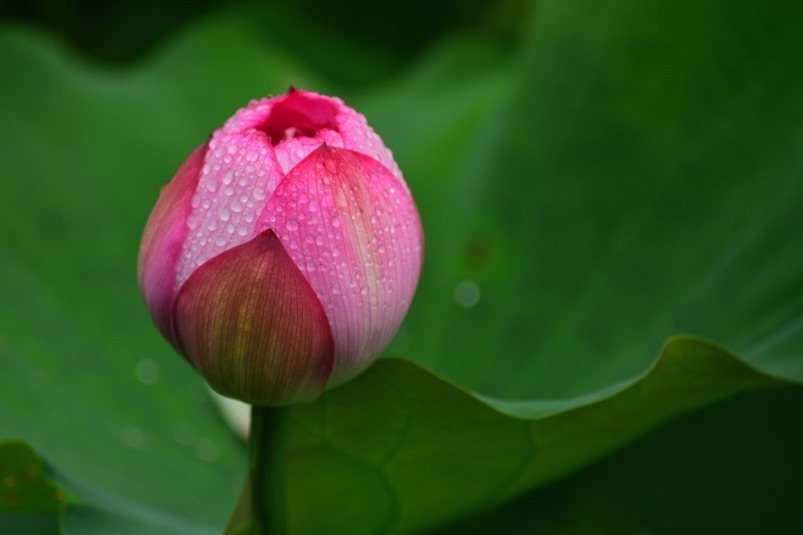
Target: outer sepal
[[249, 321]]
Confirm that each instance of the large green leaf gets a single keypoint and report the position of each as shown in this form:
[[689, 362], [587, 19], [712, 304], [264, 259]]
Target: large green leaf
[[401, 451], [643, 177]]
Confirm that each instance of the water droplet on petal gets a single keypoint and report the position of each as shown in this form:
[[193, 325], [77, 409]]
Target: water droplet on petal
[[314, 206], [291, 225]]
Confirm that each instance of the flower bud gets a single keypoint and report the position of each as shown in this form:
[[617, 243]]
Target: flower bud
[[283, 255]]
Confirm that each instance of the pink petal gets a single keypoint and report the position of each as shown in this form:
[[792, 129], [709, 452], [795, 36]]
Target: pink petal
[[352, 228], [239, 174], [251, 154], [162, 240], [250, 323]]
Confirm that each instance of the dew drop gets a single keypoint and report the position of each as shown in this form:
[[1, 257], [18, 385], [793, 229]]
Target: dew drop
[[320, 240], [134, 437], [147, 372], [258, 193], [335, 222], [291, 225], [193, 221], [236, 206], [211, 186], [206, 450], [228, 177], [242, 231], [314, 206], [224, 214], [185, 434], [467, 293], [220, 241]]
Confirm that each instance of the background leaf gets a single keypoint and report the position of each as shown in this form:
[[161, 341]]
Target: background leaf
[[29, 502], [642, 177], [423, 452]]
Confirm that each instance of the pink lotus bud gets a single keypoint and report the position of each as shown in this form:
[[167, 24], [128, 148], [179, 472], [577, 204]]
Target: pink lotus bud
[[283, 255]]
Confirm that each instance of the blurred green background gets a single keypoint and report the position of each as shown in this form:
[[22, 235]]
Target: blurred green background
[[593, 177]]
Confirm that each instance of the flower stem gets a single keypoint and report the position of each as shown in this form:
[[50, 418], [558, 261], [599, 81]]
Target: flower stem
[[267, 477]]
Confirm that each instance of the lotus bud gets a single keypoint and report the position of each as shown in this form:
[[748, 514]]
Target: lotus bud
[[283, 255]]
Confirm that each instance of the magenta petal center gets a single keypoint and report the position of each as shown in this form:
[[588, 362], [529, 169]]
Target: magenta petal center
[[299, 115]]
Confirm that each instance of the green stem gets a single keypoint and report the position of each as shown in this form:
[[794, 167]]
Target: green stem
[[267, 477]]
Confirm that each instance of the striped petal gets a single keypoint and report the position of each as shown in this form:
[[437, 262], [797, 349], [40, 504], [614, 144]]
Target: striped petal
[[352, 229], [251, 324]]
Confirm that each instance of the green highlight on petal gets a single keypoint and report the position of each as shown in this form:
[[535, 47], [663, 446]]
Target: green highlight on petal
[[250, 322]]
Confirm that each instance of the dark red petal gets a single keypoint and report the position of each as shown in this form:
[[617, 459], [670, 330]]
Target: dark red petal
[[249, 321]]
